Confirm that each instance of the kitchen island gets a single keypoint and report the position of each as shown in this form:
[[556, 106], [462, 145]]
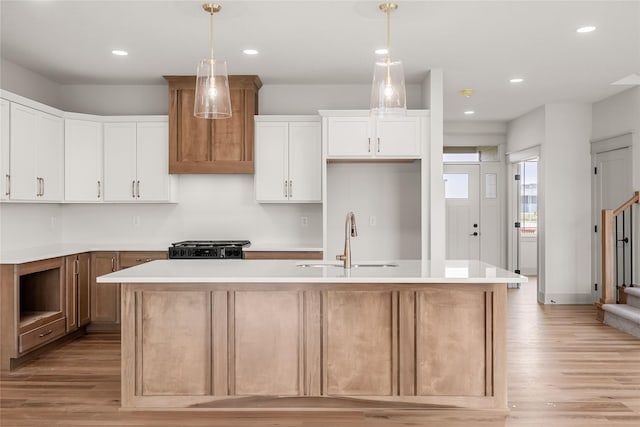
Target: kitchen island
[[247, 335]]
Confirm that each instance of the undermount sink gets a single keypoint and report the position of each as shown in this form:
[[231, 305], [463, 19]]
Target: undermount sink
[[340, 265]]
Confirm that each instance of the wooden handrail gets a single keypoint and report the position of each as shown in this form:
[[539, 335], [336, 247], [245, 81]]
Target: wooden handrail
[[625, 205], [608, 252]]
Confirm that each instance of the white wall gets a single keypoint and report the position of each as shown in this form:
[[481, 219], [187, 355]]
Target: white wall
[[564, 197], [24, 82], [114, 100], [390, 192], [25, 225], [209, 207], [308, 99], [566, 174]]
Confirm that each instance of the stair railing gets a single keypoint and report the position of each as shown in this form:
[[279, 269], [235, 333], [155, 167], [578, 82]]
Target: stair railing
[[614, 266]]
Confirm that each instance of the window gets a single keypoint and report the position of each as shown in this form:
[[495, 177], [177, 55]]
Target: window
[[470, 154], [456, 186], [529, 198]]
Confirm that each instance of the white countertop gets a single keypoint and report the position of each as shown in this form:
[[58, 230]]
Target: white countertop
[[286, 271], [20, 256]]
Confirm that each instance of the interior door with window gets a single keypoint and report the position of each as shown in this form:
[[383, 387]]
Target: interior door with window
[[461, 192]]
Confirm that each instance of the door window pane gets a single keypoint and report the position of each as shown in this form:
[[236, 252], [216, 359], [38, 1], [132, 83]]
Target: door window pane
[[456, 186]]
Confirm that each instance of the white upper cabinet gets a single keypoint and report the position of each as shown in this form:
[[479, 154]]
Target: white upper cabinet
[[83, 161], [37, 155], [152, 161], [288, 159], [136, 162], [5, 177], [363, 136]]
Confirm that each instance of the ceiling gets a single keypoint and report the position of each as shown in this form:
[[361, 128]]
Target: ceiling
[[478, 44]]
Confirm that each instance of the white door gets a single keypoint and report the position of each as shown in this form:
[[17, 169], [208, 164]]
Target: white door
[[119, 161], [271, 180], [24, 185], [50, 156], [612, 188], [305, 162], [83, 160], [152, 152], [5, 163], [398, 137], [461, 192], [350, 137]]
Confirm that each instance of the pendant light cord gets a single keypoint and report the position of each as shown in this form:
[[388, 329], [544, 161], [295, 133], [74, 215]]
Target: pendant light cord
[[211, 34], [388, 45]]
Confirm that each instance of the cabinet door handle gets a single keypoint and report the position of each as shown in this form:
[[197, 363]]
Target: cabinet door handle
[[138, 189], [378, 144], [290, 188], [133, 189], [8, 192], [99, 189], [113, 263], [369, 149], [42, 186], [44, 334], [286, 188], [76, 267], [40, 191], [143, 260]]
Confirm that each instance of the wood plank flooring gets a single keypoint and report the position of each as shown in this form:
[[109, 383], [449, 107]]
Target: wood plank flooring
[[565, 369]]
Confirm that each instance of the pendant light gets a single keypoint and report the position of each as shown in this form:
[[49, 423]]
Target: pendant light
[[388, 94], [212, 100]]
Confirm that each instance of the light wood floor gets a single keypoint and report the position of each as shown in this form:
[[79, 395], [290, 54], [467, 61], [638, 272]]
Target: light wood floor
[[565, 369]]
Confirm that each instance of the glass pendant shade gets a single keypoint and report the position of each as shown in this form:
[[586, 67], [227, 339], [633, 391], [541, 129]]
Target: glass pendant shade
[[388, 94], [212, 99]]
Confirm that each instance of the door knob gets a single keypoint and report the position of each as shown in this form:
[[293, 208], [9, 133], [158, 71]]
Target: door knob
[[475, 233]]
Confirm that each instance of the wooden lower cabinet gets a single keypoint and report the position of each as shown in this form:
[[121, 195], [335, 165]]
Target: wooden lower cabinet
[[339, 346], [78, 281], [105, 297]]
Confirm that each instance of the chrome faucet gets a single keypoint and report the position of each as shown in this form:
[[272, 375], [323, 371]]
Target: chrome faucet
[[349, 231]]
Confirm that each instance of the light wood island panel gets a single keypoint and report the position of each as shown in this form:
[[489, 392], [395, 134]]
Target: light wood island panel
[[319, 346]]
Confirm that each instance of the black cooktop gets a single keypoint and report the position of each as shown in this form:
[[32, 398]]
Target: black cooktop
[[210, 243], [208, 249]]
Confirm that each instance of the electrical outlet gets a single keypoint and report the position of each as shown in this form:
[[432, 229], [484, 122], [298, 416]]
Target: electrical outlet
[[136, 220], [54, 220], [372, 221], [304, 221]]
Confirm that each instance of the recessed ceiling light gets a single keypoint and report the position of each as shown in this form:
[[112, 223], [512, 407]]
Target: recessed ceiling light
[[516, 80], [382, 51], [586, 29], [250, 52], [469, 112], [120, 52]]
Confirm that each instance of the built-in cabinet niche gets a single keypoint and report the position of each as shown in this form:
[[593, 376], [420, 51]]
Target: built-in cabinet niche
[[41, 303], [386, 199]]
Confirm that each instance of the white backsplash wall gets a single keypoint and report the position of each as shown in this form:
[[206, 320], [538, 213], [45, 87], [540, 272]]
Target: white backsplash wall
[[387, 194], [209, 207], [25, 225]]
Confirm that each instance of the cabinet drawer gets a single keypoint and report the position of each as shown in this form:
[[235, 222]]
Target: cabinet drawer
[[131, 258], [41, 335]]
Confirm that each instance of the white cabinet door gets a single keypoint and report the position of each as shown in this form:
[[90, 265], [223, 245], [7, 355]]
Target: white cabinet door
[[152, 165], [120, 161], [305, 162], [349, 137], [24, 183], [5, 177], [398, 137], [50, 157], [271, 179], [83, 161]]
